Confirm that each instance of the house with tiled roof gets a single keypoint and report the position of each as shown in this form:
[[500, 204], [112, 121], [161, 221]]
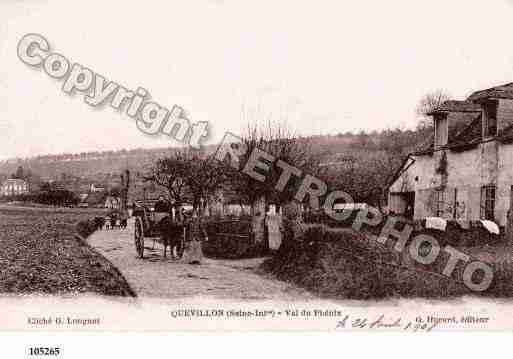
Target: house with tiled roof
[[465, 171]]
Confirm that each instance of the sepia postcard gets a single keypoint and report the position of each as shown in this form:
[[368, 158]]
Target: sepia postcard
[[221, 165]]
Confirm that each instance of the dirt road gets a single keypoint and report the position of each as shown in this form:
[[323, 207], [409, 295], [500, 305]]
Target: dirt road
[[159, 277]]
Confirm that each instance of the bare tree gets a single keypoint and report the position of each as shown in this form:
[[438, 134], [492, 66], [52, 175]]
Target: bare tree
[[428, 103], [277, 140], [189, 174], [204, 178], [170, 173]]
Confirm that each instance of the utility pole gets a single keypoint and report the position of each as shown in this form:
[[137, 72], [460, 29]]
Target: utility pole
[[125, 186]]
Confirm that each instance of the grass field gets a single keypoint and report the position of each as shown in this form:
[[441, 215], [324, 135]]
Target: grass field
[[41, 253], [345, 264]]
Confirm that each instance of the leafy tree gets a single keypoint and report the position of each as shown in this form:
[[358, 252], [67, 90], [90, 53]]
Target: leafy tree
[[19, 173], [115, 192], [45, 187], [57, 198]]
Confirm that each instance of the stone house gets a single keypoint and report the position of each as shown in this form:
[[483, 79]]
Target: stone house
[[465, 172], [14, 187]]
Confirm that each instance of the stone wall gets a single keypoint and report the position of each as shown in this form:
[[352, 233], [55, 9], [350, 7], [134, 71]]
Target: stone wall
[[504, 113]]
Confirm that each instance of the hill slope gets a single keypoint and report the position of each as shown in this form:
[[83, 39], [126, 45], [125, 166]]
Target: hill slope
[[137, 160]]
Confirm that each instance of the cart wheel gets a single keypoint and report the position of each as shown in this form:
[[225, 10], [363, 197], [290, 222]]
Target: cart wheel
[[139, 237]]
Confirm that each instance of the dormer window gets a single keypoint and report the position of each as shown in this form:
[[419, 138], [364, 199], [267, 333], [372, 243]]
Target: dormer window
[[490, 118], [441, 129]]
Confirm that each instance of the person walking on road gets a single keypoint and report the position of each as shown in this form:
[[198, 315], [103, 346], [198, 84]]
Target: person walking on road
[[195, 234]]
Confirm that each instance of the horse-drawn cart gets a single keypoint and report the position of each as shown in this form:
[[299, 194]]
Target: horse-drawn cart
[[157, 225]]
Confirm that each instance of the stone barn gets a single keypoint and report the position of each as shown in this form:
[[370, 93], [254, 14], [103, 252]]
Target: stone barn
[[466, 171]]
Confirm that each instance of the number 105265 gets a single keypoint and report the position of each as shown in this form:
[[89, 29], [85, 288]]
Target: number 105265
[[44, 351]]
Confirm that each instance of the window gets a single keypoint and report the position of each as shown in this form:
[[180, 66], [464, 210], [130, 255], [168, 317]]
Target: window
[[490, 124], [440, 203], [488, 202]]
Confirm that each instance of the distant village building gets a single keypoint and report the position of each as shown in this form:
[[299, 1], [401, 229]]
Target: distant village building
[[14, 187], [113, 202], [465, 172], [95, 188]]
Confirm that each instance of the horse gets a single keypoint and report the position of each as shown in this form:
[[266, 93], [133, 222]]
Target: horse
[[171, 235]]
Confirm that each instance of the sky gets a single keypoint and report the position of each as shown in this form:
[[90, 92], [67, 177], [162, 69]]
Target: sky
[[324, 67]]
